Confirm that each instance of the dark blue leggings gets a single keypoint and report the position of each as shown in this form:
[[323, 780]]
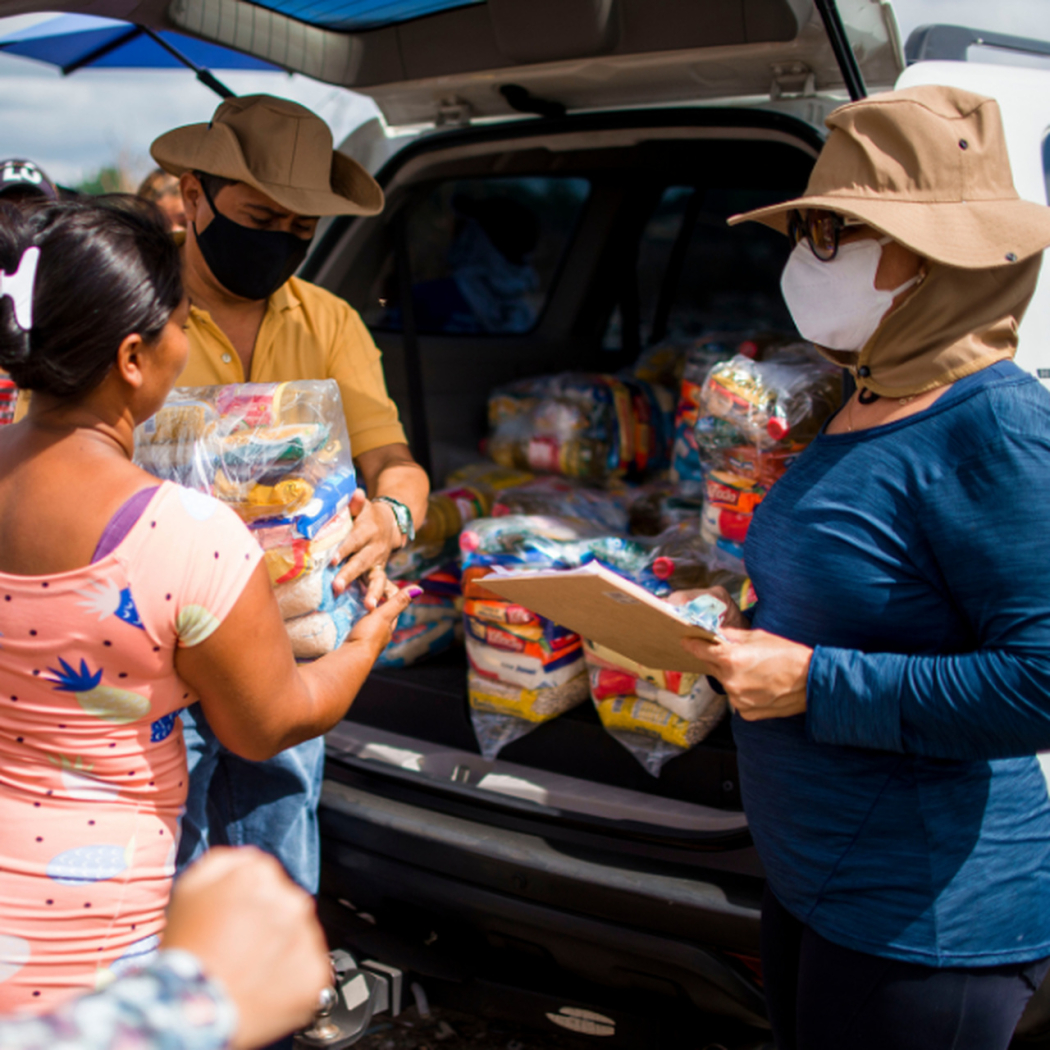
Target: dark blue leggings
[[821, 996]]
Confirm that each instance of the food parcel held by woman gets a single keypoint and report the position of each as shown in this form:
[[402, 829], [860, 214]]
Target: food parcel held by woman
[[893, 686], [121, 601]]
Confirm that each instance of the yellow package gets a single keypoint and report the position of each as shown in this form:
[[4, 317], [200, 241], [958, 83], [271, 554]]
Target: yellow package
[[633, 715], [534, 705], [252, 502]]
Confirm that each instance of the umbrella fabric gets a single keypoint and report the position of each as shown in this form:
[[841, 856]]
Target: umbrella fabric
[[66, 41], [356, 15]]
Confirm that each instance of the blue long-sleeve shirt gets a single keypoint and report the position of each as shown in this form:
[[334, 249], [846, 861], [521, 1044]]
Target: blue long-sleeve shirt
[[905, 814]]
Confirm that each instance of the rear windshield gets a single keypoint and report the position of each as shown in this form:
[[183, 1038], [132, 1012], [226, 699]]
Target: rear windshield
[[696, 273], [483, 254]]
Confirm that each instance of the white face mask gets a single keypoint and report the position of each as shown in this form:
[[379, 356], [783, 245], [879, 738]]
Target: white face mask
[[836, 304]]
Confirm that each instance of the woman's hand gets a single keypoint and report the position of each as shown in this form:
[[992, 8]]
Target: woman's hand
[[256, 933], [372, 539], [764, 675], [377, 628], [733, 617]]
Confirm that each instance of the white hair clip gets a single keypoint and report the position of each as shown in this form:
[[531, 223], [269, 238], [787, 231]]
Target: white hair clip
[[18, 286]]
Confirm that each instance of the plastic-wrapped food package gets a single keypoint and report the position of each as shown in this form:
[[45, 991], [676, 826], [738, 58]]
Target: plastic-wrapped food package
[[437, 539], [700, 357], [656, 715], [580, 425], [604, 508], [431, 624], [755, 418], [685, 560], [546, 542], [524, 669], [412, 644], [289, 556], [786, 397], [279, 455], [318, 632]]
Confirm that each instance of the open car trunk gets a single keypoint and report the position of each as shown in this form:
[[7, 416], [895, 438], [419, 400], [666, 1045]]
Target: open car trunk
[[632, 246]]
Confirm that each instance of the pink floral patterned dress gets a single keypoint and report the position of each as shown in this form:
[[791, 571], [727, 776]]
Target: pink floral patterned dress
[[92, 763]]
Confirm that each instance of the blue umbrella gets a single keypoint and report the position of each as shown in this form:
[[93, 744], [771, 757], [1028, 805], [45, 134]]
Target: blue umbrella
[[73, 42]]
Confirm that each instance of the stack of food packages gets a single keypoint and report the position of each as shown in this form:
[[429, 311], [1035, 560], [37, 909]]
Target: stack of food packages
[[585, 434], [279, 455], [433, 622], [658, 714], [579, 425], [754, 418], [524, 669]]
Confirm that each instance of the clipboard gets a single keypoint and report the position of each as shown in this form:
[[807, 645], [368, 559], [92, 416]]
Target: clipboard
[[607, 609]]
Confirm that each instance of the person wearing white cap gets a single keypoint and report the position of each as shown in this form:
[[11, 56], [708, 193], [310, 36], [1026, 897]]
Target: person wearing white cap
[[255, 180]]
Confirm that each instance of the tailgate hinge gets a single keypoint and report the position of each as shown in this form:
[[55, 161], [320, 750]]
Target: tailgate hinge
[[453, 112], [792, 80]]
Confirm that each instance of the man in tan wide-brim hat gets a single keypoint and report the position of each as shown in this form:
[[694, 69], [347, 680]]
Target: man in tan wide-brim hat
[[254, 182]]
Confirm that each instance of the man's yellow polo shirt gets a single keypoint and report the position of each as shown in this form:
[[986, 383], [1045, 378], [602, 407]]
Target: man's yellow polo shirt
[[306, 333]]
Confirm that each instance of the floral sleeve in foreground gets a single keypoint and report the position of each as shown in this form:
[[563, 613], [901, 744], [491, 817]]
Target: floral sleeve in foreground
[[168, 1005]]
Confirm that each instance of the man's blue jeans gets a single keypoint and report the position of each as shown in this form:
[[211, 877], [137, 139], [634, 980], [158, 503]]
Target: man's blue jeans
[[234, 802]]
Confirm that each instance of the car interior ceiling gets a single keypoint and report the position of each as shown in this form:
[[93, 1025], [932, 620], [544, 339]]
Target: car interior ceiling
[[647, 254]]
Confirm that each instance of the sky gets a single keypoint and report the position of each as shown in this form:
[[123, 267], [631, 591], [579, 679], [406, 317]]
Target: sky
[[74, 125]]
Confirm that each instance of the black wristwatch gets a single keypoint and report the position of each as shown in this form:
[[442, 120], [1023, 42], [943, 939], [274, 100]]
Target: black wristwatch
[[402, 515]]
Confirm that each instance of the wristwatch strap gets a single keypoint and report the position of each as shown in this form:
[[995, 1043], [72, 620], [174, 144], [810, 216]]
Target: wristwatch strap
[[402, 515]]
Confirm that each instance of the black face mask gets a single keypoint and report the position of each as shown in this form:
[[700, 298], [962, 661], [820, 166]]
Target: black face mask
[[250, 263]]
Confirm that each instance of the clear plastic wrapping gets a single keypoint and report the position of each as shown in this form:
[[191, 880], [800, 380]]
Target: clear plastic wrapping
[[279, 455], [686, 466], [318, 632], [524, 669], [656, 715], [431, 624], [580, 425], [755, 417], [604, 508]]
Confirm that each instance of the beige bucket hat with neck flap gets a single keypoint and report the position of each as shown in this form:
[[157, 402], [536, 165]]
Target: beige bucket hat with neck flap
[[279, 147], [928, 166]]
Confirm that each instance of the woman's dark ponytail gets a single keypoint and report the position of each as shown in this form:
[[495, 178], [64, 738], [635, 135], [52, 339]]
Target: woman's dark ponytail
[[108, 269]]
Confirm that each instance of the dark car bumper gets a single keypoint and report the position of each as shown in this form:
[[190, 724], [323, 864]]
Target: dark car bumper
[[480, 912]]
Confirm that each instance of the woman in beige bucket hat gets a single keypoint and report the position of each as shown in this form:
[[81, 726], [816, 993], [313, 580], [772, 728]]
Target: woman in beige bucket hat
[[893, 686]]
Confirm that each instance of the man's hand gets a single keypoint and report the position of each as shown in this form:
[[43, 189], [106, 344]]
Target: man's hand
[[372, 539], [764, 675]]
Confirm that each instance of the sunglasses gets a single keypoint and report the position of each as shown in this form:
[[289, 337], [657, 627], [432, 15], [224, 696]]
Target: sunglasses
[[822, 231]]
